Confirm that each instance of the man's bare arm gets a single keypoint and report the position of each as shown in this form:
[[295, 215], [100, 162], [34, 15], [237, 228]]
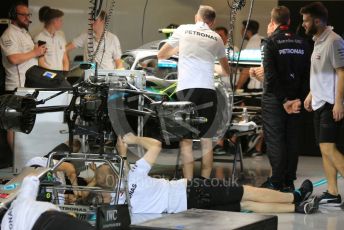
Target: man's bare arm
[[65, 61], [119, 64], [225, 66], [166, 51], [338, 109], [16, 59], [152, 146]]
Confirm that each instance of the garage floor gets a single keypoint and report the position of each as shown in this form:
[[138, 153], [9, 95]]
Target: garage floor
[[256, 171]]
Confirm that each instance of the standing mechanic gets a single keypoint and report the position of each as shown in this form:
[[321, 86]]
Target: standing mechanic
[[286, 65], [56, 57], [199, 47], [107, 49], [19, 53], [326, 97]]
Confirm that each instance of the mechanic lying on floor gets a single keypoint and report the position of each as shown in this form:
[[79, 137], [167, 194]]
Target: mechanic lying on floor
[[151, 195]]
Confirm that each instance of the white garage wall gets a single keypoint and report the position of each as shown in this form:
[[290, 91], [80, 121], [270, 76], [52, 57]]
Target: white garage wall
[[126, 21], [261, 13]]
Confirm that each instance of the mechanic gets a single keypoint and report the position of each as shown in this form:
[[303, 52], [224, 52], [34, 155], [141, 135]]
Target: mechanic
[[286, 61], [326, 96], [253, 42], [19, 52], [27, 213], [199, 47], [67, 173], [107, 51], [56, 57]]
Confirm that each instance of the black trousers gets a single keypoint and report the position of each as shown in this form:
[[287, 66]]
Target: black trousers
[[281, 132], [214, 194], [206, 102]]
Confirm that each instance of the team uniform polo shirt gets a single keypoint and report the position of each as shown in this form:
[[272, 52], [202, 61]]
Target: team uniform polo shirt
[[16, 40], [199, 47], [328, 54], [153, 195], [25, 210], [109, 49], [56, 47], [254, 43]]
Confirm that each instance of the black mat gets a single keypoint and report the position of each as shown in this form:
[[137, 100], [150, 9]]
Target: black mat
[[209, 219]]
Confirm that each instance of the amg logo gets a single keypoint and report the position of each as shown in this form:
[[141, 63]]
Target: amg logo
[[111, 215]]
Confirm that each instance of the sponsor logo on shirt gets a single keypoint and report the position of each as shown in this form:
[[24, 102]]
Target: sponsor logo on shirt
[[291, 51], [282, 41], [200, 34], [8, 43], [132, 190], [10, 218]]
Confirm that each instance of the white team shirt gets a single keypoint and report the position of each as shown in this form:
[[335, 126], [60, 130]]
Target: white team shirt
[[254, 43], [56, 47], [109, 49], [199, 47], [16, 40], [25, 210], [152, 195], [328, 54]]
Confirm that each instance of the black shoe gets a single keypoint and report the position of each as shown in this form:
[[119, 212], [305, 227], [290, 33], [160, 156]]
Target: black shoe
[[308, 206], [305, 190], [271, 185], [328, 199]]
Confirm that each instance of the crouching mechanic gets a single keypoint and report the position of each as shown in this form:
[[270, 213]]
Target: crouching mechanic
[[151, 195], [26, 213]]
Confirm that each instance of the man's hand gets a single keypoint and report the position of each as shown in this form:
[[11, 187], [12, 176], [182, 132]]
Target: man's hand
[[338, 111], [130, 139], [40, 50], [293, 106], [257, 73], [308, 103]]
